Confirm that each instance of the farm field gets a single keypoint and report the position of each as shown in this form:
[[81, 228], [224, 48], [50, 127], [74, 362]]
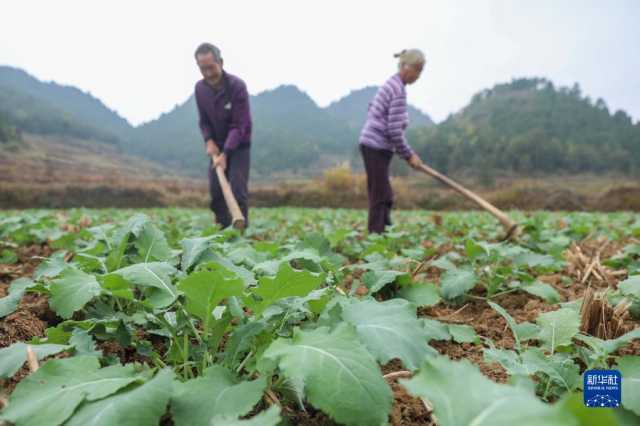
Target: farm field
[[147, 317]]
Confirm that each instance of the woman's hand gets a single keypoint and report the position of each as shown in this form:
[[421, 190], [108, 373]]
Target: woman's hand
[[414, 161]]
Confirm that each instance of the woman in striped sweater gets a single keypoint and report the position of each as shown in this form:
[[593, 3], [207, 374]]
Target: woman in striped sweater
[[383, 134]]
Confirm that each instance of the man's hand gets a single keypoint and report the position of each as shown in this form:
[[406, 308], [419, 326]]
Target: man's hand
[[414, 161], [212, 148], [220, 160]]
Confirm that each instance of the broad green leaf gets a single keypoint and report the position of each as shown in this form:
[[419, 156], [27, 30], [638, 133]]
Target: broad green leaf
[[241, 340], [318, 242], [587, 416], [21, 284], [527, 331], [630, 286], [51, 395], [505, 250], [626, 417], [509, 360], [340, 376], [192, 249], [90, 263], [534, 260], [311, 255], [71, 291], [242, 272], [462, 333], [205, 290], [14, 356], [287, 283], [629, 367], [270, 417], [456, 282], [267, 247], [120, 240], [216, 393], [142, 405], [117, 286], [154, 274], [318, 299], [436, 330], [389, 330], [606, 347], [51, 267], [83, 343], [338, 236], [543, 291], [560, 367], [558, 327], [376, 280], [462, 396], [417, 253], [421, 294], [443, 263], [134, 226], [473, 249], [510, 322], [522, 381], [58, 334], [152, 244], [246, 255], [9, 304], [270, 267], [615, 344], [313, 302], [65, 241]]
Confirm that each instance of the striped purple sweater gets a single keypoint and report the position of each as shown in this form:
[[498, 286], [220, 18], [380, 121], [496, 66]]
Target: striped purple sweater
[[387, 119]]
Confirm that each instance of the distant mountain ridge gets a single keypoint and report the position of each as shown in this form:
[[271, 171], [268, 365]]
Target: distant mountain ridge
[[526, 126], [530, 126], [292, 134], [82, 107]]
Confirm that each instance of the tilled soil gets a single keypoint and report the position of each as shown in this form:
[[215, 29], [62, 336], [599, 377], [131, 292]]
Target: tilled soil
[[34, 316]]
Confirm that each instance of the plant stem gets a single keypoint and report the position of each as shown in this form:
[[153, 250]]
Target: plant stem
[[244, 361], [119, 304], [546, 390], [159, 361], [193, 328], [472, 296], [185, 357]]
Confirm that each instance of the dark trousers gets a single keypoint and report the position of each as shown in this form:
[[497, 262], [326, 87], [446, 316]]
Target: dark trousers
[[238, 162], [376, 164]]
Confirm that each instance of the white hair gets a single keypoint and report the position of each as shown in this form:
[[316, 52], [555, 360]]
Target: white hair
[[410, 57]]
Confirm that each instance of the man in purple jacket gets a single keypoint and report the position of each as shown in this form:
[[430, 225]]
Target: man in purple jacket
[[225, 123]]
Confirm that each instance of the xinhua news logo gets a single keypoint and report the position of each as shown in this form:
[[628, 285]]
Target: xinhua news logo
[[602, 388]]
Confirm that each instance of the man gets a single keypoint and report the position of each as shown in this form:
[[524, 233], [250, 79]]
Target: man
[[225, 123]]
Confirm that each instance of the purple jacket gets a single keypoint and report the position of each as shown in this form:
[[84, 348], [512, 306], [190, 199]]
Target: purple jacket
[[388, 119], [224, 113]]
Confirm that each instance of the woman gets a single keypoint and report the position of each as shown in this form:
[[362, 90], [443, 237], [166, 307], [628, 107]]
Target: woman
[[383, 134]]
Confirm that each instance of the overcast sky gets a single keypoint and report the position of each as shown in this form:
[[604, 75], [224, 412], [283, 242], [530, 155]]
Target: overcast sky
[[137, 57]]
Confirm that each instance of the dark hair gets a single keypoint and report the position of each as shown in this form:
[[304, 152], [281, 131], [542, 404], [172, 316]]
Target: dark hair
[[206, 48]]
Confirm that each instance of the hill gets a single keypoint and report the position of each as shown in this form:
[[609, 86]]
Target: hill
[[530, 126]]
